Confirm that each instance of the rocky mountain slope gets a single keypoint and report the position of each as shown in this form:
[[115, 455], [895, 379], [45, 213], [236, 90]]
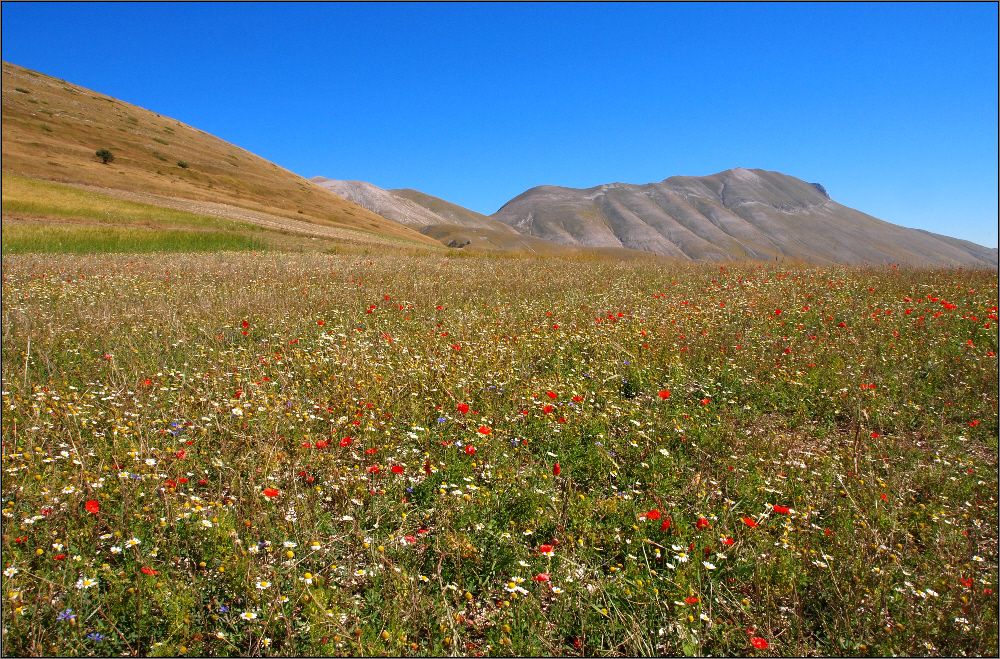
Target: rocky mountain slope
[[735, 214]]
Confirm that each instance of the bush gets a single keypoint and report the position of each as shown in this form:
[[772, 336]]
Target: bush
[[105, 155], [181, 163]]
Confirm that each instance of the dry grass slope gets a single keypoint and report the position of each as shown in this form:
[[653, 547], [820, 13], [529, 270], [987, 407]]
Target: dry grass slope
[[52, 129]]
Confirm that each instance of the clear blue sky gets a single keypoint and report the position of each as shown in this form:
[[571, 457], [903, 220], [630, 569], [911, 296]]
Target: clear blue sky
[[892, 107]]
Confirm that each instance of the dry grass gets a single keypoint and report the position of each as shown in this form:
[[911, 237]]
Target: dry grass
[[52, 129]]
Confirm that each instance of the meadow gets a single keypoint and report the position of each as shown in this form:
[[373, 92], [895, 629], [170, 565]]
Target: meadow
[[380, 453]]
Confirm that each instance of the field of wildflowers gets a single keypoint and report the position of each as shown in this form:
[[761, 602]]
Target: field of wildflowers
[[237, 454]]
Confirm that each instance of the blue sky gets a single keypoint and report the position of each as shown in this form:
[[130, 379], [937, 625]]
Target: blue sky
[[892, 107]]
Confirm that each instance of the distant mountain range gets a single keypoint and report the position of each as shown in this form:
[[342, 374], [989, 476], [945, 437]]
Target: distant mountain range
[[736, 214], [52, 130]]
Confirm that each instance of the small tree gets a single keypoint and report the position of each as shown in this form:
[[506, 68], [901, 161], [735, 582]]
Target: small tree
[[105, 155], [182, 164]]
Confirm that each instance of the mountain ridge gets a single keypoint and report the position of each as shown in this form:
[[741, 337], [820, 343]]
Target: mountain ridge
[[735, 214]]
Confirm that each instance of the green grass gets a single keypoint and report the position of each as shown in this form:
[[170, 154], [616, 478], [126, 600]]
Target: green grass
[[37, 197], [49, 239], [229, 412]]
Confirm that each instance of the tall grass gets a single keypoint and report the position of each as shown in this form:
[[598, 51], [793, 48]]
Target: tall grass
[[355, 454], [62, 239]]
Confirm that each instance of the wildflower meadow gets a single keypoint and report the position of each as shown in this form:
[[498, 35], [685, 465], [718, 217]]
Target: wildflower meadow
[[428, 454]]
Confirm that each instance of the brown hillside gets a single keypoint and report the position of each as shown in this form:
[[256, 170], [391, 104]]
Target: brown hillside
[[52, 129]]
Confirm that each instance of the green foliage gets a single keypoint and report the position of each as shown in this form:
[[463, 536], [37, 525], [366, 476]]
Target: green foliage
[[105, 155], [182, 164]]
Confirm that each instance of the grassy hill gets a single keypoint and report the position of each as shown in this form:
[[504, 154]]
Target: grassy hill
[[52, 129]]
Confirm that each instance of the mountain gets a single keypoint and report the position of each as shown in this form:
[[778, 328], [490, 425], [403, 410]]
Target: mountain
[[735, 214], [52, 129], [450, 224], [409, 207]]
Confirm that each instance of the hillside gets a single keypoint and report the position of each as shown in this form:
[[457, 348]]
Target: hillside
[[52, 129], [735, 214], [449, 224], [410, 207]]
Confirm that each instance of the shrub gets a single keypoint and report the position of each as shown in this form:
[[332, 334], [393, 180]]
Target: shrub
[[105, 155], [182, 164]]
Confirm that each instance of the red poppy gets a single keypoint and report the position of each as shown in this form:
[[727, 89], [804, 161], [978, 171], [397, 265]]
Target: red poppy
[[551, 394], [787, 350], [544, 576], [371, 451], [147, 382], [702, 523], [653, 515], [181, 455], [346, 441], [691, 599], [373, 469], [396, 469], [203, 481], [664, 395], [547, 409], [92, 507], [322, 444], [182, 480], [874, 435], [577, 399], [319, 322], [270, 492], [556, 469], [470, 450], [884, 497], [545, 549], [59, 557], [463, 408], [666, 525], [706, 401], [245, 324], [728, 541], [483, 430], [782, 510], [759, 643], [150, 571]]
